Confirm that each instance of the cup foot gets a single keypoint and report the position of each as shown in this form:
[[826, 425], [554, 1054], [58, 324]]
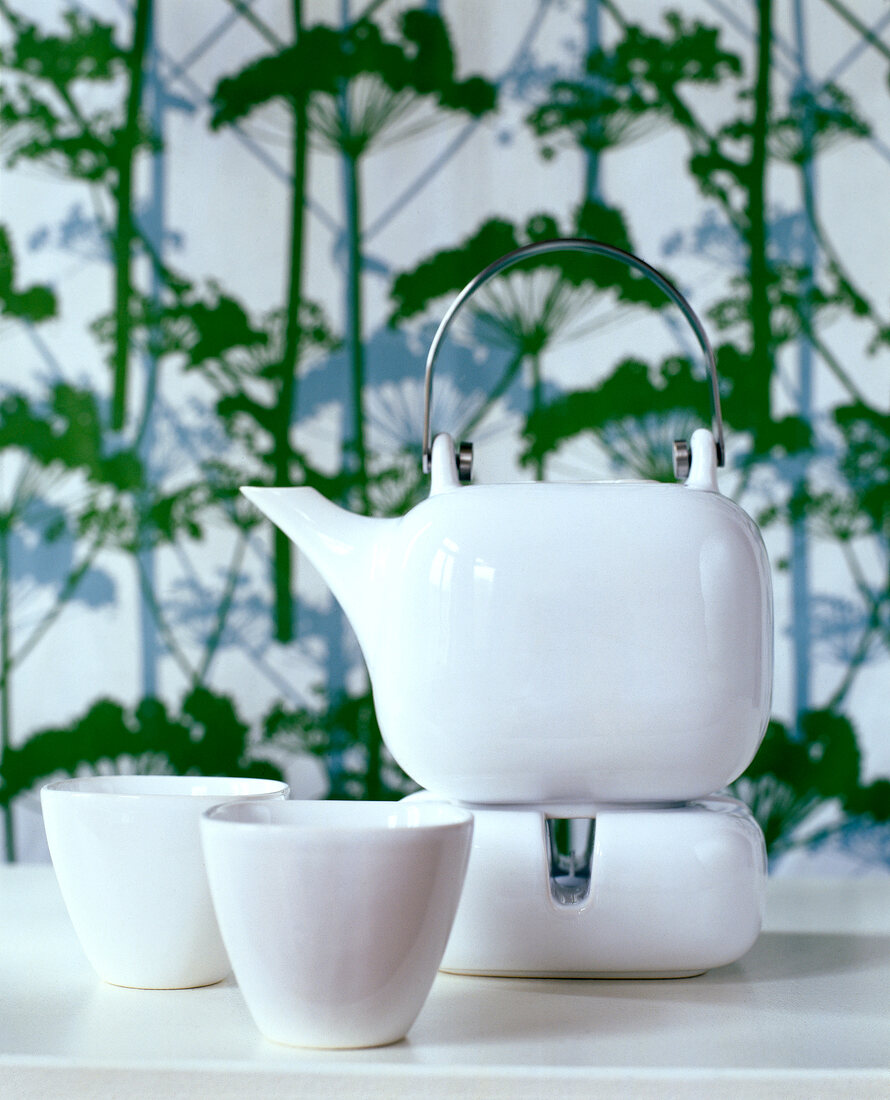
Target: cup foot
[[161, 988], [335, 1045]]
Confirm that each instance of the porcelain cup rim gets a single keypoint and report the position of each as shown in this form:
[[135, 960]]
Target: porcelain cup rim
[[216, 787], [303, 817]]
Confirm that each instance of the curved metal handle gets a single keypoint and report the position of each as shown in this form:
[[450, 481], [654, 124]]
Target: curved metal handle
[[573, 244]]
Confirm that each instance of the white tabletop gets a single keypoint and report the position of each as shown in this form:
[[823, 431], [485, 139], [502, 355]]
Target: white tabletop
[[805, 1014]]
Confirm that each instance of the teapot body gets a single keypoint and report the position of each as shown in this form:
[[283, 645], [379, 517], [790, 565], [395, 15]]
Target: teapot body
[[583, 642], [608, 642]]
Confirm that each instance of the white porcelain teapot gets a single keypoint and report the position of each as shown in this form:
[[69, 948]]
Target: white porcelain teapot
[[530, 643]]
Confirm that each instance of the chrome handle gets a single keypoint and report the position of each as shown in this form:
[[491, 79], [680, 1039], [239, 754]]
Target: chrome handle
[[573, 244]]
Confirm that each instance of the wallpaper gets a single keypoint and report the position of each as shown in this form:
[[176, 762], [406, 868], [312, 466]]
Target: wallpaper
[[228, 232]]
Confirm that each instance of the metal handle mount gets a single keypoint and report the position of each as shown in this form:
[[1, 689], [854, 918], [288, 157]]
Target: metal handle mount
[[682, 456]]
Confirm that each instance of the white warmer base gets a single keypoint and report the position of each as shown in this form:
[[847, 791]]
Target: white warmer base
[[666, 892]]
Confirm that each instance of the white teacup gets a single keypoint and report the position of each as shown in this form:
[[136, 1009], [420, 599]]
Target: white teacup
[[127, 854], [336, 914]]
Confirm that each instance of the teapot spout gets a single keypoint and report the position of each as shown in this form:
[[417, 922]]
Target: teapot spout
[[348, 551]]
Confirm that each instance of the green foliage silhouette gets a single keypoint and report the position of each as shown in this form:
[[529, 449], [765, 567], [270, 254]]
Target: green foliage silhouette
[[43, 113], [632, 88], [206, 738], [324, 59], [343, 731], [617, 413], [792, 776], [35, 303]]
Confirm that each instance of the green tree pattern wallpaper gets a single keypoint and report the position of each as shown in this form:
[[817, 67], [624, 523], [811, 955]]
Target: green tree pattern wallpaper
[[228, 230]]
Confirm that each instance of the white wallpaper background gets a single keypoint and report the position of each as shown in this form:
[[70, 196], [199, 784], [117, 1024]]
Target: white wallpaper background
[[89, 616]]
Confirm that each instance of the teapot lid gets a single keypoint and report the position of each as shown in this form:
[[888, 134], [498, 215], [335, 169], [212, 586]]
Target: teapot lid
[[682, 452]]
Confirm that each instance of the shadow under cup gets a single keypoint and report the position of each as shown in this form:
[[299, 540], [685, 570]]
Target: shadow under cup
[[336, 914], [127, 855]]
